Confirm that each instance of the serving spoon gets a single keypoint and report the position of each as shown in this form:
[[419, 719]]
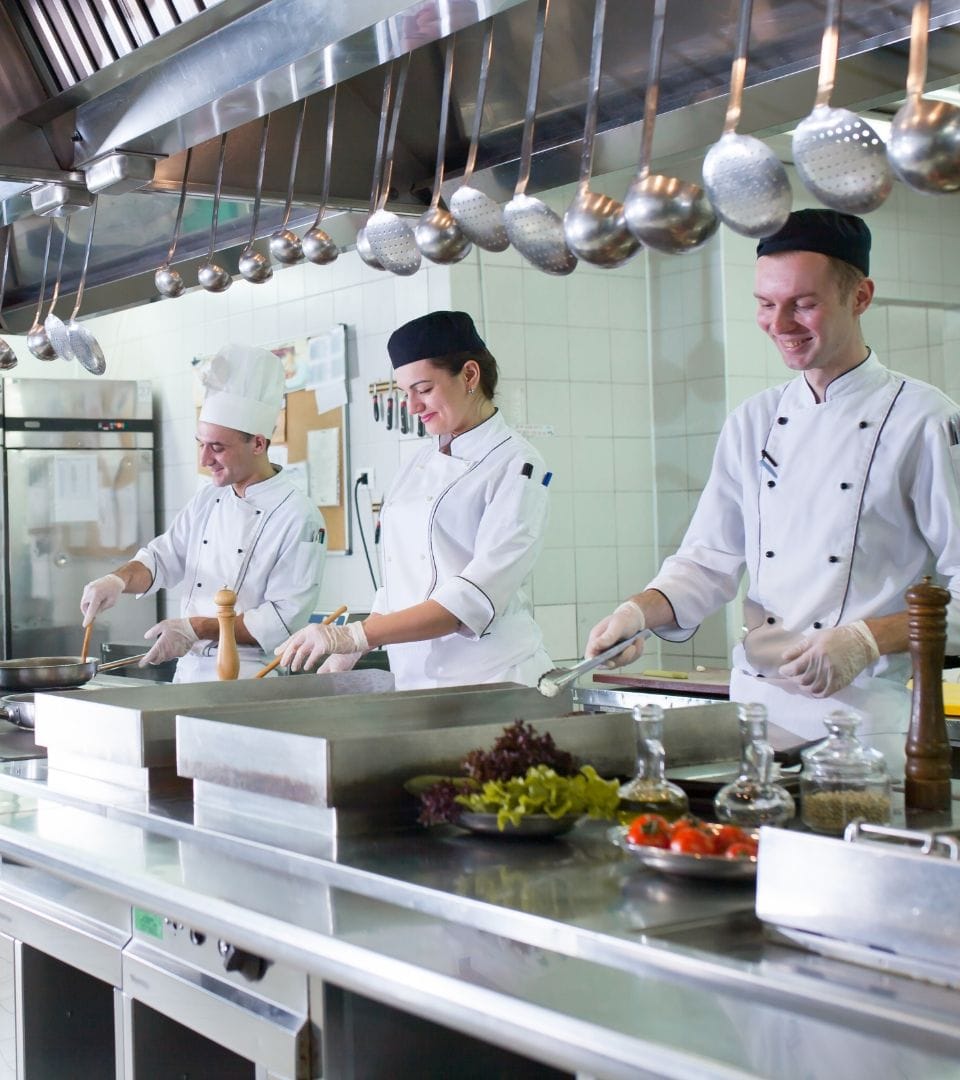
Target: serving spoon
[[37, 341], [924, 143], [85, 346]]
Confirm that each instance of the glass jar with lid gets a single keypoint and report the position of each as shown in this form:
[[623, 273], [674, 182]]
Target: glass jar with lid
[[650, 792], [842, 780], [754, 798]]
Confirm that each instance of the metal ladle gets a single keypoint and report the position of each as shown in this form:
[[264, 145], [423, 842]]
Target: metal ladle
[[85, 346], [363, 244], [534, 229], [594, 225], [285, 246], [253, 265], [318, 245], [212, 277], [479, 217], [743, 177], [55, 327], [839, 157], [391, 238], [437, 233], [924, 143], [167, 280], [664, 212], [8, 358], [37, 341]]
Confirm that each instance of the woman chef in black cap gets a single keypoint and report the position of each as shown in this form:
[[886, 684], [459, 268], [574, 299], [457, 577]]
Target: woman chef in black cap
[[462, 527]]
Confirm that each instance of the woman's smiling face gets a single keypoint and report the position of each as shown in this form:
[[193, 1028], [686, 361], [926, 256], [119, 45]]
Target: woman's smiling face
[[439, 399]]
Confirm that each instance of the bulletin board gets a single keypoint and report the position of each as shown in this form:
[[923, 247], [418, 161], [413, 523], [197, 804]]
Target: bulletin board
[[301, 418]]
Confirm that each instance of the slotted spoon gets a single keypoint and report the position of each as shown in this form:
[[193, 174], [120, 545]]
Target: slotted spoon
[[743, 177], [479, 217], [534, 229], [839, 157], [391, 239]]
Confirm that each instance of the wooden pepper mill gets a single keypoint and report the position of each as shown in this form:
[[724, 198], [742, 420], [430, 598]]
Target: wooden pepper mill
[[928, 746], [228, 659]]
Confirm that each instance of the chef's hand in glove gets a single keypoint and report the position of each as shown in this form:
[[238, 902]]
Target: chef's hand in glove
[[336, 662], [174, 638], [625, 620], [99, 595], [826, 661], [302, 651]]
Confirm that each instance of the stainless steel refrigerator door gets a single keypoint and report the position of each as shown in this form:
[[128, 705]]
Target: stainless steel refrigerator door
[[74, 515]]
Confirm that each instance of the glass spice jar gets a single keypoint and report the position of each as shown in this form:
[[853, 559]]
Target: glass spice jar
[[754, 798], [650, 792], [842, 780]]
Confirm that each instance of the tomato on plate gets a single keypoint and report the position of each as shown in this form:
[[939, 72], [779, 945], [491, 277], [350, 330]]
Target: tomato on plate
[[726, 835], [692, 841], [649, 830], [742, 849]]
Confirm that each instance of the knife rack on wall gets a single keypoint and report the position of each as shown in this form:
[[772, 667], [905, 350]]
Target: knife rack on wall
[[389, 407]]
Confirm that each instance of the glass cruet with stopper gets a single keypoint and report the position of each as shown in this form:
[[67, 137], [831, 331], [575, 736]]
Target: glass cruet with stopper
[[754, 798], [842, 780], [650, 792]]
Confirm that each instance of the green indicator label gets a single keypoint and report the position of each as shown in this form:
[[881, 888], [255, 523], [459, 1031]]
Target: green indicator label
[[148, 923]]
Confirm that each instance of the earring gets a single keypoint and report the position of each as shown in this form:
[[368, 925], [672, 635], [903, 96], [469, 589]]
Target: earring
[[471, 389]]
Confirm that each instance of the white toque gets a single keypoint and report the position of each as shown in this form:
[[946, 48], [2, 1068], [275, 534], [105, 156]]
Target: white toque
[[243, 389]]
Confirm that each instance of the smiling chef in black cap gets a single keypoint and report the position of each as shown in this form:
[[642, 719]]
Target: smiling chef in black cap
[[835, 491], [462, 527]]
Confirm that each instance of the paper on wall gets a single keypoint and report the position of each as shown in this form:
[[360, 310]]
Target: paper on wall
[[296, 473], [326, 368], [278, 455], [76, 494], [323, 464]]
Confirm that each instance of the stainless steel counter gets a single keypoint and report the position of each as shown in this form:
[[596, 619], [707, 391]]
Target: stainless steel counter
[[560, 950]]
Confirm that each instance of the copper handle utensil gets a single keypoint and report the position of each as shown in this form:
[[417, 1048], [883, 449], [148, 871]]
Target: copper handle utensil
[[275, 662]]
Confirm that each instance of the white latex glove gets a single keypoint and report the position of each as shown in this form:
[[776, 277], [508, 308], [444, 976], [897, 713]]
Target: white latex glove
[[335, 662], [174, 638], [826, 661], [99, 595], [302, 651], [624, 621]]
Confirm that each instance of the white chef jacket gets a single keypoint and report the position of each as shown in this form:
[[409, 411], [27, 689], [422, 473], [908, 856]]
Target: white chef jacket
[[835, 509], [465, 529], [268, 545]]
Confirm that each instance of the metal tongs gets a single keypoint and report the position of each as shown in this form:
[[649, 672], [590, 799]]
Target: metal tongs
[[552, 682]]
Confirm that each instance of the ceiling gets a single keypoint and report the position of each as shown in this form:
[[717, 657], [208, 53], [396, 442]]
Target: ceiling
[[151, 78]]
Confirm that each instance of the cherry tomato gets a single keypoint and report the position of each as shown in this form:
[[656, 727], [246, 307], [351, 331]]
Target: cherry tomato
[[729, 834], [649, 830], [742, 849], [692, 841]]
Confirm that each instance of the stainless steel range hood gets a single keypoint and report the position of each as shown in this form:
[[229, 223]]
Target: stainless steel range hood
[[114, 91]]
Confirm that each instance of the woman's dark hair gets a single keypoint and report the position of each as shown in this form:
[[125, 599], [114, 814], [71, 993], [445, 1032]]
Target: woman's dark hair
[[489, 373]]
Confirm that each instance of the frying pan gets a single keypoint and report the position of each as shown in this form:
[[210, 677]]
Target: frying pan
[[54, 672]]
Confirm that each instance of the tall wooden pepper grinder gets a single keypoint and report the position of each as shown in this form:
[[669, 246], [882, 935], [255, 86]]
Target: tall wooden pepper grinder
[[228, 659], [928, 747]]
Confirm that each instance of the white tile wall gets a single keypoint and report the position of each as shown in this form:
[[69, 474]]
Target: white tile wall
[[630, 371]]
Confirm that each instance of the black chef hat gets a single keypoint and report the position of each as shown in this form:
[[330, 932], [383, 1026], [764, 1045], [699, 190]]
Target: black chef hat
[[843, 236], [437, 334]]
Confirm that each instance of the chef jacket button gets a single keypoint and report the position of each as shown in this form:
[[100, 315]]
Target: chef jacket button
[[781, 420], [770, 483], [844, 486], [817, 625], [204, 541], [239, 551], [258, 511], [863, 424], [760, 675], [199, 584], [771, 620], [834, 558], [769, 554]]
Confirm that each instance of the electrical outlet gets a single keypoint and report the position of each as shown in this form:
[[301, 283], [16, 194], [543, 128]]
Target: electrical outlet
[[371, 477]]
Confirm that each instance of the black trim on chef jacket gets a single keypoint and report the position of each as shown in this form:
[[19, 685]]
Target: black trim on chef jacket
[[430, 521]]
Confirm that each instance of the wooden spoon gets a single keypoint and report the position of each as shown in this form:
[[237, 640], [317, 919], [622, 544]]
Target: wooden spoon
[[275, 662], [87, 634]]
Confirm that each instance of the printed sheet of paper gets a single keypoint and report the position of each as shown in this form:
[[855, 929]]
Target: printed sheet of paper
[[76, 495], [323, 464], [327, 368]]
